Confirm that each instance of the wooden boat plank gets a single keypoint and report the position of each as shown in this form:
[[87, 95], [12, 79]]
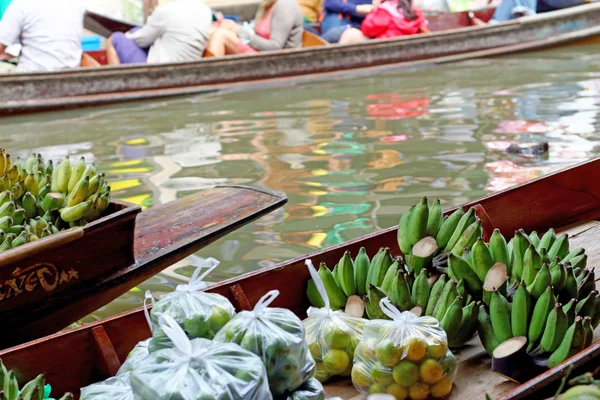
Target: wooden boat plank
[[164, 235]]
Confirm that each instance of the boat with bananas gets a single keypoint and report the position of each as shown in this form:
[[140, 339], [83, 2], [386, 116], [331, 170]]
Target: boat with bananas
[[453, 38], [517, 313]]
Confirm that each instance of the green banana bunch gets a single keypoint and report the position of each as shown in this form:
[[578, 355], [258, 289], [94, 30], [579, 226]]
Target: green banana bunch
[[33, 390], [38, 198]]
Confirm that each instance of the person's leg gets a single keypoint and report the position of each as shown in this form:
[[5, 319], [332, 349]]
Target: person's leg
[[111, 54], [353, 35], [222, 42], [503, 11], [334, 34], [122, 50]]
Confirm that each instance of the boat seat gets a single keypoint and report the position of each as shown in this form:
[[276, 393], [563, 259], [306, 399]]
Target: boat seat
[[88, 61], [309, 39]]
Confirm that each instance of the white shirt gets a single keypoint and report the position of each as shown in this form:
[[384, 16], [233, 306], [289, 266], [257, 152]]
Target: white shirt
[[176, 31], [49, 31]]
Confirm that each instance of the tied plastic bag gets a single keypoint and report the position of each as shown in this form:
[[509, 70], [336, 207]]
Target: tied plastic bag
[[332, 336], [276, 335], [200, 314], [115, 388], [406, 357], [310, 390], [140, 352], [199, 369]]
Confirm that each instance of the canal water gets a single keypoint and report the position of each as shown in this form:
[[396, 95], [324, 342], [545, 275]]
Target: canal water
[[350, 154]]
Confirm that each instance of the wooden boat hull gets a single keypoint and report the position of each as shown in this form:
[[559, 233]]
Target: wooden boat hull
[[93, 86], [163, 235], [97, 350]]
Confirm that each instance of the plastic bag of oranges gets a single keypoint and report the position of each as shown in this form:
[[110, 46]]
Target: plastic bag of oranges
[[406, 357], [332, 336]]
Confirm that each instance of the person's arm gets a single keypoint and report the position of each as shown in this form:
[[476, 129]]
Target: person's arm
[[375, 23], [339, 6], [3, 55], [152, 30], [283, 19]]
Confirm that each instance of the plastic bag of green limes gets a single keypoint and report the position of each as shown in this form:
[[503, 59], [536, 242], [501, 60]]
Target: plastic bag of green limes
[[276, 335], [406, 357], [199, 369], [310, 390], [200, 314], [332, 336], [115, 388]]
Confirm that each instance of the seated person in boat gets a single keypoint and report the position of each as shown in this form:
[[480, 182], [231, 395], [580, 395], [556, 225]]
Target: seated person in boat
[[48, 31], [278, 24], [311, 10], [509, 9], [392, 18], [553, 5], [341, 15], [175, 32]]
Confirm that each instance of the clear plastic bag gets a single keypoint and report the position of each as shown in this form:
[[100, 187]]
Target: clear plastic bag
[[276, 335], [200, 314], [310, 390], [199, 369], [406, 357], [136, 357], [115, 388], [332, 336]]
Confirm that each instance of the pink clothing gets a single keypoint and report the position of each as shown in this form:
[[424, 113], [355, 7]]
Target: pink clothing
[[387, 21], [263, 29]]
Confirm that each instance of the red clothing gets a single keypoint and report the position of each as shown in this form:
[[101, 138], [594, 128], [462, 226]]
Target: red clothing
[[386, 21]]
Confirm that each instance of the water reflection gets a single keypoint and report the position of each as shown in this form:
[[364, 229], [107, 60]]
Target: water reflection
[[351, 155]]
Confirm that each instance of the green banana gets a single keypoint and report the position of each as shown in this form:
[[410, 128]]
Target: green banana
[[90, 170], [400, 295], [468, 325], [520, 246], [7, 209], [372, 306], [16, 229], [499, 249], [13, 175], [569, 310], [314, 297], [29, 162], [434, 296], [482, 259], [388, 280], [11, 386], [96, 183], [459, 269], [5, 197], [587, 284], [435, 219], [52, 201], [417, 225], [547, 240], [452, 319], [44, 191], [532, 263], [572, 342], [542, 308], [500, 316], [421, 290], [545, 259], [556, 328], [346, 275], [49, 168], [28, 389], [542, 280], [31, 184], [55, 184], [579, 261], [571, 283], [63, 176], [371, 269], [5, 223], [576, 252], [79, 192], [560, 247], [588, 332], [465, 221], [467, 255], [468, 238], [380, 265], [17, 190], [77, 171], [29, 204], [558, 277], [448, 295], [521, 306], [361, 270], [76, 212], [586, 307], [7, 243], [486, 332], [403, 226], [534, 238], [337, 298], [448, 227]]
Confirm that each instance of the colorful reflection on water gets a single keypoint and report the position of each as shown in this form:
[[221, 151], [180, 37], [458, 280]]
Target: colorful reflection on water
[[351, 155]]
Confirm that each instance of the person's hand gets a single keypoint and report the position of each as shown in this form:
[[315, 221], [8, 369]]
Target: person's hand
[[230, 25], [364, 9], [5, 57]]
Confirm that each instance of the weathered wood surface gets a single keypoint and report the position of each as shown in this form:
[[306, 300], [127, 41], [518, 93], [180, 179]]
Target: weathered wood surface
[[34, 92], [164, 234]]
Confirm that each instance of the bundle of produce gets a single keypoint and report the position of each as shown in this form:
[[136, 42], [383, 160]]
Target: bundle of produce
[[583, 387], [310, 390], [36, 389], [38, 199], [200, 314], [406, 357], [135, 357], [424, 294], [332, 336], [426, 237], [115, 388], [276, 335], [199, 369]]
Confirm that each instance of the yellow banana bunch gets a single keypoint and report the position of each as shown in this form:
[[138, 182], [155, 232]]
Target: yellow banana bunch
[[39, 198]]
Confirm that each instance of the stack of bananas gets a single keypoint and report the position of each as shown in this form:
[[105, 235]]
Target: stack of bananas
[[38, 199], [36, 389], [367, 281]]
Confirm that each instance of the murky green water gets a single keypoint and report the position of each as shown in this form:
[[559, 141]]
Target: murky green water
[[351, 155]]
